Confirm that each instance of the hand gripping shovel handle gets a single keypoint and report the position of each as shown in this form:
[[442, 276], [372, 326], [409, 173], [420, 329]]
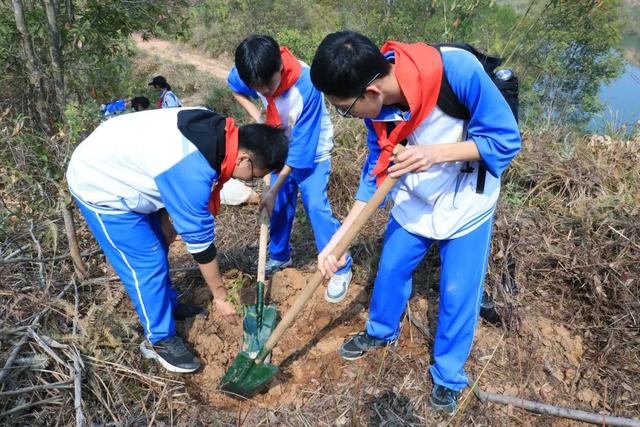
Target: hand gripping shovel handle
[[317, 279]]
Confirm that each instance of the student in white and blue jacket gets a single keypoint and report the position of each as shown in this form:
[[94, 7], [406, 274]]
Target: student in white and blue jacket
[[135, 168], [167, 98], [266, 71], [395, 89]]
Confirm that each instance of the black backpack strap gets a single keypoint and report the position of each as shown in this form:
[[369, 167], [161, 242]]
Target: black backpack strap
[[447, 100], [482, 176]]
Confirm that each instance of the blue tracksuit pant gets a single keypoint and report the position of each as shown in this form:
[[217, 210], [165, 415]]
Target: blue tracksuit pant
[[135, 247], [464, 262], [313, 183]]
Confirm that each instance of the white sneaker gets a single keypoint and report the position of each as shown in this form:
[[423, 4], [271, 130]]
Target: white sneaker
[[337, 288], [273, 266]]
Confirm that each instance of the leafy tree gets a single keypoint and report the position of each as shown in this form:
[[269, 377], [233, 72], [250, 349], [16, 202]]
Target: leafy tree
[[77, 49]]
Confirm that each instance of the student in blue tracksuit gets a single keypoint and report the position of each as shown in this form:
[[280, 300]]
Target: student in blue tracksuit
[[139, 103], [266, 71], [134, 167], [395, 89], [167, 98]]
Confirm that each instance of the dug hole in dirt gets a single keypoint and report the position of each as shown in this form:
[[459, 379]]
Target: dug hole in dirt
[[310, 365], [306, 354]]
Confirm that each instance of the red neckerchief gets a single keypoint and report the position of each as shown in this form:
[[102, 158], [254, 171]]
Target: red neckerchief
[[228, 164], [291, 70], [161, 100], [418, 69]]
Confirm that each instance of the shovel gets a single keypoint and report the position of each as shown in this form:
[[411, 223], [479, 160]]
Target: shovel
[[259, 320], [248, 375]]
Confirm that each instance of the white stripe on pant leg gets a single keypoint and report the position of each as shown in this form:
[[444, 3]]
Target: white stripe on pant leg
[[133, 273]]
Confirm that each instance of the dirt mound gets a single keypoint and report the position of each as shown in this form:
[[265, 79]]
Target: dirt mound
[[553, 370], [306, 354]]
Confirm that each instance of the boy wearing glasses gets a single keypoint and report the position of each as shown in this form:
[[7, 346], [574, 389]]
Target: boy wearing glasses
[[266, 71], [132, 168], [395, 89]]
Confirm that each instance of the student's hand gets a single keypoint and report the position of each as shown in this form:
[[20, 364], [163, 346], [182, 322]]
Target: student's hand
[[415, 158], [267, 202], [227, 311], [328, 264]]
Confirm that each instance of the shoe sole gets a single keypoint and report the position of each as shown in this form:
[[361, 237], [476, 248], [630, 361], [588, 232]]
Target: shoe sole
[[148, 353], [447, 409], [327, 298], [350, 358]]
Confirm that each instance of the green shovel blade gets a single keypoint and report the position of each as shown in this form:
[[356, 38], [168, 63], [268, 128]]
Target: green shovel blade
[[259, 321], [246, 377]]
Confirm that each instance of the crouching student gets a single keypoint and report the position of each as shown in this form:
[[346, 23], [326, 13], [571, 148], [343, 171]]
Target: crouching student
[[265, 70], [133, 167], [436, 200], [139, 103]]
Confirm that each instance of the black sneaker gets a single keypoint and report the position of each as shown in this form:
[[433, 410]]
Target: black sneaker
[[185, 311], [356, 346], [172, 354], [444, 399]]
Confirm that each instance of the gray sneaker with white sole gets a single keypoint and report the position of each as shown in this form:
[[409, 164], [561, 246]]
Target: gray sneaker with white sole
[[172, 354]]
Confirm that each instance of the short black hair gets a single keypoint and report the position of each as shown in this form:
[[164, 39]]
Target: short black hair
[[344, 62], [140, 103], [161, 82], [268, 144], [257, 59]]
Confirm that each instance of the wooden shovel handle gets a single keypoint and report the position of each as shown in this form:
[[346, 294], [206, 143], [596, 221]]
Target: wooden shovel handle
[[262, 251], [264, 236], [317, 279]]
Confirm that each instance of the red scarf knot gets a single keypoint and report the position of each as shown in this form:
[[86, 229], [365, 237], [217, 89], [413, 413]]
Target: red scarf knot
[[228, 164], [418, 69], [291, 70]]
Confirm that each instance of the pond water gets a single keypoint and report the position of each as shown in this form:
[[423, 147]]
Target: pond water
[[621, 100]]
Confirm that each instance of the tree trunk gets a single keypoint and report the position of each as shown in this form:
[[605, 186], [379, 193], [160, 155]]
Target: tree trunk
[[56, 54], [35, 75], [69, 8]]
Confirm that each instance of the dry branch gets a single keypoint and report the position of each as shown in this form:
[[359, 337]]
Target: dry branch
[[558, 411], [74, 249], [58, 385]]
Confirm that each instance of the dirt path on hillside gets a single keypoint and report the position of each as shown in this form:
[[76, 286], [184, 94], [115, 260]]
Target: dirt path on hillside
[[177, 52]]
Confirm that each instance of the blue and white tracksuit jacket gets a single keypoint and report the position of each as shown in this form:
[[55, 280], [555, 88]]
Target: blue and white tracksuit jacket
[[170, 100], [441, 205], [113, 108], [307, 124], [128, 169]]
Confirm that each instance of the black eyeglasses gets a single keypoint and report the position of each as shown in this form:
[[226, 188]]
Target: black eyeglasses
[[345, 113], [253, 181]]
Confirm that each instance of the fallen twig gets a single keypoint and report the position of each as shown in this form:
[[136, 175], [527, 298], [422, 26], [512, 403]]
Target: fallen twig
[[47, 348], [12, 358], [76, 373], [14, 353], [39, 248], [49, 259], [58, 385], [74, 249], [52, 400], [558, 411]]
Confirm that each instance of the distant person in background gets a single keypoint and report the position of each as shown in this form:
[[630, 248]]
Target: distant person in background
[[139, 103], [167, 99]]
